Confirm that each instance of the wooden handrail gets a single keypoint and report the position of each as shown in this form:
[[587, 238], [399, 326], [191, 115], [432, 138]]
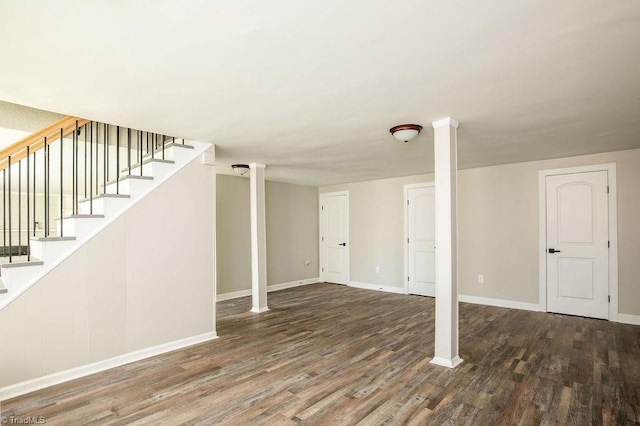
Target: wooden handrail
[[35, 141]]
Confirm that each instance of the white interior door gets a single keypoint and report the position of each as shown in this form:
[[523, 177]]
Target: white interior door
[[421, 236], [577, 244], [334, 237]]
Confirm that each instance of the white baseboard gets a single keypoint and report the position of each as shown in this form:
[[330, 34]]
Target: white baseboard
[[291, 284], [377, 287], [629, 319], [449, 363], [38, 383], [501, 303], [233, 295], [461, 297], [270, 288]]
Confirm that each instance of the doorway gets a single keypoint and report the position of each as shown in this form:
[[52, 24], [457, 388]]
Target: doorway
[[334, 237], [419, 241], [578, 241]]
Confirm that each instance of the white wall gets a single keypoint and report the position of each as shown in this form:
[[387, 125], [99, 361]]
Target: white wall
[[145, 280], [498, 228]]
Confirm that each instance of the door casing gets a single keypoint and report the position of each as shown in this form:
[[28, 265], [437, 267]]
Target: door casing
[[610, 168]]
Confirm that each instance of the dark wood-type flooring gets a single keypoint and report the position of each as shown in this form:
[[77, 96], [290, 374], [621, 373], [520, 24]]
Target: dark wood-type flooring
[[330, 355]]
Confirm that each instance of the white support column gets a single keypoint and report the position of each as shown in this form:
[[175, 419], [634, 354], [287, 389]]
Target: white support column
[[446, 169], [209, 159], [258, 239]]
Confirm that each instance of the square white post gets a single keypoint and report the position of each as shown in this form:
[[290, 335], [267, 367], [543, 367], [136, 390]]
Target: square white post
[[258, 239], [446, 169], [209, 159]]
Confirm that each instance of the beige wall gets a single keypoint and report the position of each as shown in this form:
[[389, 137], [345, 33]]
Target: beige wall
[[628, 174], [292, 233], [498, 232], [376, 225], [233, 234], [145, 280], [498, 228]]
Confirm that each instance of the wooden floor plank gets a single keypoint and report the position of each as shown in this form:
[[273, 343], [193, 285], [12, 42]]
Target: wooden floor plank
[[333, 355]]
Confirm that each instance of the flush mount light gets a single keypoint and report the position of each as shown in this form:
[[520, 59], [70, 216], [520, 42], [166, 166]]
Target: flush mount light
[[240, 169], [405, 132]]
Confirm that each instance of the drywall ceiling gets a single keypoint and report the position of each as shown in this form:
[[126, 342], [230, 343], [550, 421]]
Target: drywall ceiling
[[310, 88]]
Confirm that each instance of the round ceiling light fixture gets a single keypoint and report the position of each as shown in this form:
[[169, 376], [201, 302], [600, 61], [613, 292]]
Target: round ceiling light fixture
[[240, 169], [405, 132]]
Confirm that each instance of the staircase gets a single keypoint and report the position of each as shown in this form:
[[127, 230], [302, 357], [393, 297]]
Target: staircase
[[64, 184]]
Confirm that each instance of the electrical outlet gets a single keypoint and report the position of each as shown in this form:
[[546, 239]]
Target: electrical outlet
[[480, 279], [377, 269]]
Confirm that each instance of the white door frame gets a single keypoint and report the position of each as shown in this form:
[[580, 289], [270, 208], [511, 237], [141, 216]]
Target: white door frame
[[406, 189], [610, 168], [348, 247]]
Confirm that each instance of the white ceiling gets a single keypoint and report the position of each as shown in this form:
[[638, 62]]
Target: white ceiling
[[310, 88]]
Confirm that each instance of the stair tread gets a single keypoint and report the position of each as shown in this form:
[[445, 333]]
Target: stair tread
[[149, 160], [157, 160], [125, 177], [179, 145], [85, 216], [53, 238], [18, 261], [96, 197]]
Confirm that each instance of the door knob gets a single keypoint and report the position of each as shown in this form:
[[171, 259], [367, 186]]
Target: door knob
[[342, 244], [551, 250]]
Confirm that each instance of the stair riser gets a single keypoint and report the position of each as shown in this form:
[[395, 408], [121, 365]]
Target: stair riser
[[106, 206], [84, 207], [180, 154], [131, 187], [156, 169], [20, 274], [50, 251], [151, 169], [80, 227]]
